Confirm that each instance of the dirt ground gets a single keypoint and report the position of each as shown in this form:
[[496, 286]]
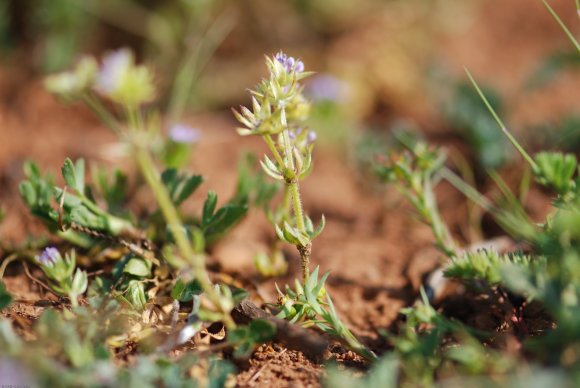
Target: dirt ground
[[376, 252]]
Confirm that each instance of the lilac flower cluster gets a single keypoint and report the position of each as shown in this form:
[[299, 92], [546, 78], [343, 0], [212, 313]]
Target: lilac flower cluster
[[49, 257], [289, 63], [310, 137]]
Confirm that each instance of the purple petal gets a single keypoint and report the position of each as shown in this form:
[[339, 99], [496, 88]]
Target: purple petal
[[114, 66], [181, 133], [49, 256], [290, 64]]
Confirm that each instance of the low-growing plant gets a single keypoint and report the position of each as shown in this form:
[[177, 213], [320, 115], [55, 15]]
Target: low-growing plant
[[279, 109]]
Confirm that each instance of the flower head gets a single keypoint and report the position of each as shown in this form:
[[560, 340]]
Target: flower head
[[181, 133], [115, 66], [308, 135], [71, 84], [290, 64], [49, 257], [124, 82]]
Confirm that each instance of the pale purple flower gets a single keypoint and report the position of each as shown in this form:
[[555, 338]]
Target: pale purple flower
[[181, 133], [113, 69], [290, 63], [294, 133], [326, 87], [310, 137], [49, 256]]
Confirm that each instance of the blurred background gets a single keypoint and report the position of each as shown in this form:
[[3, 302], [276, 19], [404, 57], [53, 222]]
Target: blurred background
[[378, 61], [381, 66]]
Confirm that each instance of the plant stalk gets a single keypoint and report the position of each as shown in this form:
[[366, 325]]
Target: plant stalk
[[149, 172], [292, 186]]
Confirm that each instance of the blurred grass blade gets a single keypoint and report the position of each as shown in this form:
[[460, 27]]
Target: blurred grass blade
[[502, 126], [562, 25]]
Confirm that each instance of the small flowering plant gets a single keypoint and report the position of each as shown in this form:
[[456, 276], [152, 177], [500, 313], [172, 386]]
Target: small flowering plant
[[278, 115], [121, 93], [61, 273], [415, 174]]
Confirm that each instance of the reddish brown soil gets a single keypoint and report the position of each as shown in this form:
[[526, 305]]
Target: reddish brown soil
[[365, 247], [376, 252]]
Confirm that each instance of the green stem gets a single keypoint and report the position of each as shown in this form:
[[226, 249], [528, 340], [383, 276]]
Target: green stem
[[443, 238], [292, 183], [297, 203], [502, 126], [288, 150], [151, 176], [148, 169], [467, 190], [102, 113], [293, 187], [274, 150], [561, 23]]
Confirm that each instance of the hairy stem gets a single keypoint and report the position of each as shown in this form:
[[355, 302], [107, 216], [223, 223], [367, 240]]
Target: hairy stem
[[274, 150], [150, 174], [292, 186]]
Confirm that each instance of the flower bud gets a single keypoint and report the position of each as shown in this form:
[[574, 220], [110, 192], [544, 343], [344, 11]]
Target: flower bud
[[71, 84], [124, 82]]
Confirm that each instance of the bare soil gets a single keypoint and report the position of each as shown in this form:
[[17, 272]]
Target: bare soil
[[376, 252]]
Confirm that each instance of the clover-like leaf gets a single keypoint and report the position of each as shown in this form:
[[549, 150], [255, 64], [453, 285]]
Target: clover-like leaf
[[136, 294], [180, 187], [79, 283], [139, 267], [74, 174], [226, 217]]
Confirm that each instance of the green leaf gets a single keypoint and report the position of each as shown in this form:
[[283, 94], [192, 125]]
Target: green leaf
[[519, 280], [185, 292], [320, 227], [187, 188], [555, 170], [69, 173], [83, 216], [138, 267], [180, 187], [5, 297], [223, 220], [31, 170], [208, 209], [79, 283], [27, 193], [136, 294], [238, 294], [70, 200], [80, 176]]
